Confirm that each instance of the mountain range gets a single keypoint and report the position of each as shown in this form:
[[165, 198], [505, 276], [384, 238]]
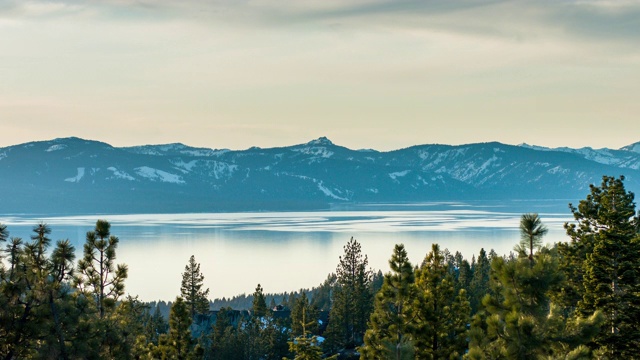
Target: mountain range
[[73, 176]]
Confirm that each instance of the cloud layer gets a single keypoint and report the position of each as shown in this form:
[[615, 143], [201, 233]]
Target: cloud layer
[[367, 73]]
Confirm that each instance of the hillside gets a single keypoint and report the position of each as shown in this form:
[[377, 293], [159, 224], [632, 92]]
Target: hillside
[[72, 175]]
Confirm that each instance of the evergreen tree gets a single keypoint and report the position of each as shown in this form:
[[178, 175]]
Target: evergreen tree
[[259, 308], [324, 293], [156, 326], [531, 231], [479, 285], [305, 346], [602, 262], [352, 299], [219, 336], [98, 274], [392, 320], [520, 321], [303, 313], [179, 344], [35, 300], [439, 310], [191, 289]]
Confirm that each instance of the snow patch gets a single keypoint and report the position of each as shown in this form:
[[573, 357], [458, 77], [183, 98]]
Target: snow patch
[[117, 174], [534, 147], [158, 175], [56, 147], [322, 141], [397, 174], [220, 170], [78, 176], [315, 151], [3, 155], [204, 152], [558, 169], [373, 190], [326, 191], [185, 165], [635, 147]]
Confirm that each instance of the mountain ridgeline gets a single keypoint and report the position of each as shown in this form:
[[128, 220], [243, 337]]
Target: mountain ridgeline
[[72, 175]]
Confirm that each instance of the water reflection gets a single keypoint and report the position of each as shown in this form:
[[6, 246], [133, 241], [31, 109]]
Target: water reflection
[[286, 251]]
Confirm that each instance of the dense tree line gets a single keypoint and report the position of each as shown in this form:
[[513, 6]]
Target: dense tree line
[[578, 299]]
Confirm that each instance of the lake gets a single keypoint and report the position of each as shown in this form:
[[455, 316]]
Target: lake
[[286, 251]]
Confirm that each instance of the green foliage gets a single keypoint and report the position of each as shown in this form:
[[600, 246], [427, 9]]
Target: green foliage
[[479, 284], [520, 321], [305, 346], [195, 297], [259, 309], [304, 317], [439, 310], [98, 274], [602, 263], [322, 297], [531, 232], [179, 333], [352, 299], [392, 321]]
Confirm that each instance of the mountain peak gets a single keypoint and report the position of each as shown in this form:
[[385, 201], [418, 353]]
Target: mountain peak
[[321, 141], [635, 147]]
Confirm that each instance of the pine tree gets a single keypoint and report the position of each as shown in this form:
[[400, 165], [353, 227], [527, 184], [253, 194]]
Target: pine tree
[[519, 320], [324, 293], [352, 299], [37, 312], [305, 346], [531, 231], [303, 309], [479, 284], [602, 262], [98, 274], [179, 343], [439, 310], [156, 326], [191, 289], [392, 320], [259, 308]]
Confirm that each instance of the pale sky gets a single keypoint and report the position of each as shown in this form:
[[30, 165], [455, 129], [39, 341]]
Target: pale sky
[[382, 74]]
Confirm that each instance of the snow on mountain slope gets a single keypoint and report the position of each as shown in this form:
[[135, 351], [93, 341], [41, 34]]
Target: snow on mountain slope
[[56, 147], [626, 157], [78, 176], [175, 149], [118, 174], [155, 174], [635, 147], [309, 175]]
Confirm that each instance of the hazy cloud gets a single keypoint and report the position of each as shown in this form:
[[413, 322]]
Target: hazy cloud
[[449, 70]]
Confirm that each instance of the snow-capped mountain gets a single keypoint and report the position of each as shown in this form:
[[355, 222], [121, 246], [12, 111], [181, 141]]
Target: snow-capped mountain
[[625, 157], [73, 175]]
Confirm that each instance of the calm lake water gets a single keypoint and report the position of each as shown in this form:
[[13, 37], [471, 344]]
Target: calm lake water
[[286, 251]]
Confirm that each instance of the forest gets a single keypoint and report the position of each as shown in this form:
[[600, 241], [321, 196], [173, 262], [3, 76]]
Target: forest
[[578, 299]]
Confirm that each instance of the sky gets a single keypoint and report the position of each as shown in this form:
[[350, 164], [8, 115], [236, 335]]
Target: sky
[[381, 74]]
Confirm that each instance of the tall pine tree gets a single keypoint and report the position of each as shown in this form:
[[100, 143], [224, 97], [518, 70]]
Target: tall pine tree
[[98, 274], [191, 289], [519, 320], [602, 262], [439, 310], [352, 299], [392, 321]]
